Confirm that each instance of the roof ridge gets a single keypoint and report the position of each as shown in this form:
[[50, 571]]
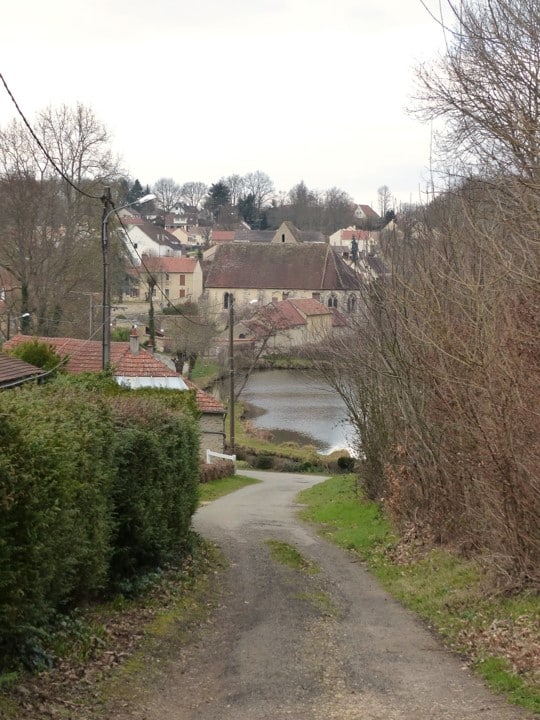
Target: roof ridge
[[334, 257], [325, 267]]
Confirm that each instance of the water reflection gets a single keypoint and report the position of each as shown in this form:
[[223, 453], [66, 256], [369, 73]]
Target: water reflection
[[295, 406]]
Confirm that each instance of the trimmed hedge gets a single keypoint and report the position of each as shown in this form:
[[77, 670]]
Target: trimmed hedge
[[97, 484], [155, 490]]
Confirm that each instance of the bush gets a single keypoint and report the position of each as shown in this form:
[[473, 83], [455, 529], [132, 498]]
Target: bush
[[42, 355], [97, 484], [346, 464], [264, 462], [215, 471], [55, 512], [155, 489]]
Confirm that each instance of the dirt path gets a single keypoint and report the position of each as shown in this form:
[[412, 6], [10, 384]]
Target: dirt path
[[288, 644]]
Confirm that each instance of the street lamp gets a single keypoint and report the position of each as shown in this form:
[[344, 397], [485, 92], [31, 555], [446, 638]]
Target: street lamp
[[108, 210], [24, 316]]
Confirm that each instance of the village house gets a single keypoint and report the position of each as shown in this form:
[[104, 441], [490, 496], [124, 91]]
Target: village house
[[192, 236], [136, 367], [180, 279], [280, 270], [342, 240], [143, 238], [290, 324]]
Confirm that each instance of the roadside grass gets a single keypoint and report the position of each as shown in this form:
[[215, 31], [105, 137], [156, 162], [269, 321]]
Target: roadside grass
[[217, 488], [112, 650], [205, 373], [497, 634]]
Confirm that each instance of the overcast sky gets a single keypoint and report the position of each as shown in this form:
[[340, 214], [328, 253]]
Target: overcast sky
[[312, 90]]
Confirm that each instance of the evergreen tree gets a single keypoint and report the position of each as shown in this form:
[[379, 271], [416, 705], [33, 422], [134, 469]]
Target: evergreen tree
[[136, 191]]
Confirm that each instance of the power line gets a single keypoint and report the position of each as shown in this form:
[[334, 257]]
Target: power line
[[154, 281], [42, 147]]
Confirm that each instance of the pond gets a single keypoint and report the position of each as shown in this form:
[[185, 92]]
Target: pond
[[295, 406]]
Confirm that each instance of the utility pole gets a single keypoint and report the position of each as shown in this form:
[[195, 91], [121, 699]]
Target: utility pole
[[106, 345], [231, 374]]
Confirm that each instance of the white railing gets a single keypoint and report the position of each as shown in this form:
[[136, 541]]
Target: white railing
[[210, 454]]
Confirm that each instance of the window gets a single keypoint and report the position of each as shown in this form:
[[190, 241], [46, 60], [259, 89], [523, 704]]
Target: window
[[182, 279], [228, 299], [182, 293], [316, 296], [166, 292], [351, 303], [282, 237], [332, 301], [166, 276]]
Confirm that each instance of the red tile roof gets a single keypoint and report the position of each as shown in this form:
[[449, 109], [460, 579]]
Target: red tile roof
[[12, 370], [309, 306], [222, 235], [86, 356], [285, 315], [169, 264], [207, 403]]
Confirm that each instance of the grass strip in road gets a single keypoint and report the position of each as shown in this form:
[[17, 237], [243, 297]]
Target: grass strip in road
[[497, 634], [288, 555], [217, 488]]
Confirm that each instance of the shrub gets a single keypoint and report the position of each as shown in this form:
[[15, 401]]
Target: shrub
[[215, 471], [40, 354], [346, 464], [264, 462], [97, 484], [55, 519], [155, 489]]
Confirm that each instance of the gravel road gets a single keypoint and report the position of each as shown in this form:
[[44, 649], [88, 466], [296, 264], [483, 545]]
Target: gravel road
[[288, 644]]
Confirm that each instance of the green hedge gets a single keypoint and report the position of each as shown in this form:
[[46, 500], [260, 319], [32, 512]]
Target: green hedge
[[97, 484], [155, 491]]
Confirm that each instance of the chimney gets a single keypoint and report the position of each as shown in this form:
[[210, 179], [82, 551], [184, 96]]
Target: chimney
[[134, 340]]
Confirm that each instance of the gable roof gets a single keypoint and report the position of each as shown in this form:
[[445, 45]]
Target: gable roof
[[14, 371], [222, 235], [157, 234], [169, 264], [308, 306], [368, 212], [280, 266], [205, 402], [136, 369], [260, 236], [285, 315]]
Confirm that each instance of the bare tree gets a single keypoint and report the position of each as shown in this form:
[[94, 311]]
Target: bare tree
[[338, 210], [486, 87], [50, 232], [385, 200], [194, 192], [260, 185], [441, 372], [187, 337], [168, 193], [236, 186]]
